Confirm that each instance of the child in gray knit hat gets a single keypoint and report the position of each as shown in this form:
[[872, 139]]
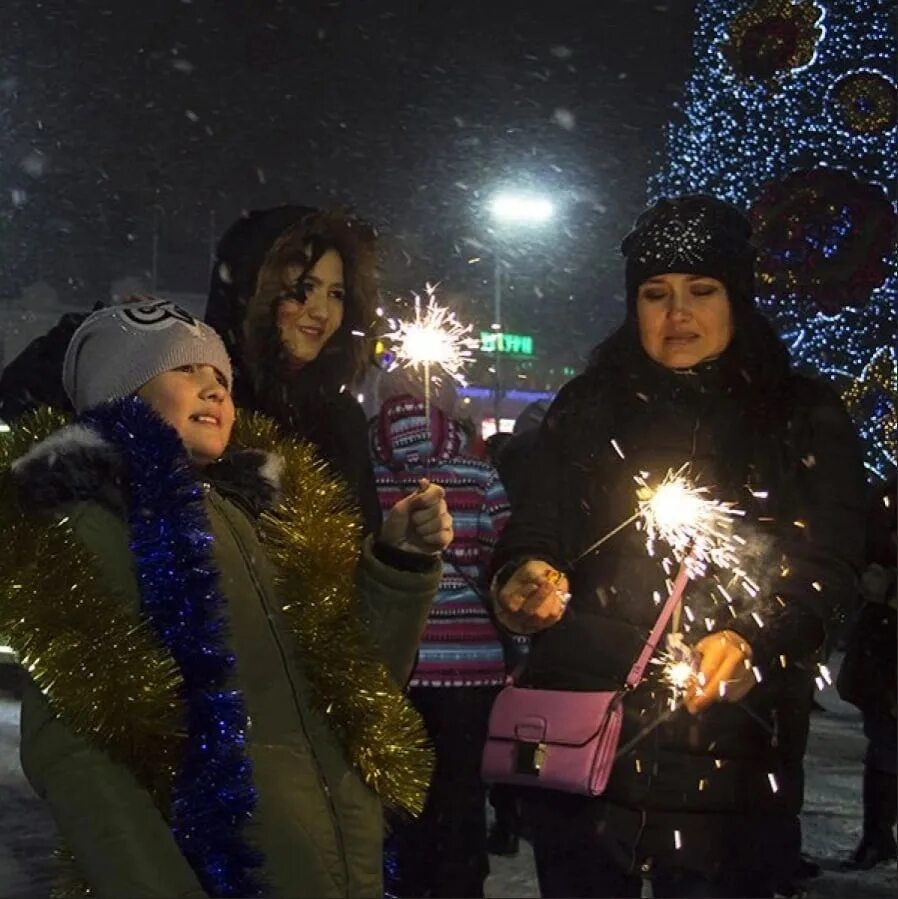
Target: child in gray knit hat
[[173, 361], [199, 723]]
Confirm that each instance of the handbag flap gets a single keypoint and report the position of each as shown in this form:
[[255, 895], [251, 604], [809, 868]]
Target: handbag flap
[[549, 716]]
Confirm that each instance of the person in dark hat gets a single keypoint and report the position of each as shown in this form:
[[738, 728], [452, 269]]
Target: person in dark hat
[[703, 797]]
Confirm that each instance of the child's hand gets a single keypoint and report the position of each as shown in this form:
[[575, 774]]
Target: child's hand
[[419, 523]]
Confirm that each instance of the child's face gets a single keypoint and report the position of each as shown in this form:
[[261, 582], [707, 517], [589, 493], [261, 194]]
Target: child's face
[[195, 401]]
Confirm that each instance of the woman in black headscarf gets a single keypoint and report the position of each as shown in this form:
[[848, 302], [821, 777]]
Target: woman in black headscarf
[[293, 291], [705, 801]]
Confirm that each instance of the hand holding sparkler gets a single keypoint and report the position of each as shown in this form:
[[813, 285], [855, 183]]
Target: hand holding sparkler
[[534, 597], [419, 523], [680, 665]]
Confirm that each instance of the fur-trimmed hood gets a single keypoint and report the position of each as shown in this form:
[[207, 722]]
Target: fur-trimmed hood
[[403, 435], [76, 464]]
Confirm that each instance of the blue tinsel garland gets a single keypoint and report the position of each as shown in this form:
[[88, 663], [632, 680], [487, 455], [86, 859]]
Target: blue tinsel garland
[[213, 795]]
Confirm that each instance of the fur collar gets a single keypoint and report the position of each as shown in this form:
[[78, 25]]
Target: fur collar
[[76, 464]]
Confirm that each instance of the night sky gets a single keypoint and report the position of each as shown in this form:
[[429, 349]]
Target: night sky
[[116, 114]]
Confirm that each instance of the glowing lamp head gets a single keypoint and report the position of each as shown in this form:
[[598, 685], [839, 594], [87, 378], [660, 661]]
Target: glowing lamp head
[[521, 209]]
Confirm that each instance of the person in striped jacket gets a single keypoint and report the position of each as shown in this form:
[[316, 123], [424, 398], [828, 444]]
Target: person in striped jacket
[[461, 664]]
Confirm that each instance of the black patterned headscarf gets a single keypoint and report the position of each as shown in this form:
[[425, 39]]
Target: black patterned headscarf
[[695, 234]]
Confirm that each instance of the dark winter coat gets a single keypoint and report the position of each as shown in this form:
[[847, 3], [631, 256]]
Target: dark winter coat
[[867, 676], [513, 463], [313, 403], [318, 825], [34, 378], [705, 775]]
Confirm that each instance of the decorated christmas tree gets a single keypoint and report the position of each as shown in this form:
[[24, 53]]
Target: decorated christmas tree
[[791, 115]]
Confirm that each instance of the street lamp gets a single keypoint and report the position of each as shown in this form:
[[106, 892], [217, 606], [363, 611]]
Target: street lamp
[[511, 210], [521, 209]]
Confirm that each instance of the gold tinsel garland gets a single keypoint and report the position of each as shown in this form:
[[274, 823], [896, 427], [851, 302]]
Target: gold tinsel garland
[[101, 669], [312, 538]]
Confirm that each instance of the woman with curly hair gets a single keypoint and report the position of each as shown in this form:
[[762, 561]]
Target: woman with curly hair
[[292, 290]]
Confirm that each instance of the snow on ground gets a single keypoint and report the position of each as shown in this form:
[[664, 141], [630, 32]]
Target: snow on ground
[[832, 816]]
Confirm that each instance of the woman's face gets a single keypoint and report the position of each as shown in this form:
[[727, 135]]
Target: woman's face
[[683, 319], [310, 316]]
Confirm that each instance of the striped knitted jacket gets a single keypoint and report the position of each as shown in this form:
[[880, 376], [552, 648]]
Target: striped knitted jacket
[[460, 646]]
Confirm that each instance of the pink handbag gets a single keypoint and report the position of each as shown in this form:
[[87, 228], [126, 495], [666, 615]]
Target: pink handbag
[[564, 740]]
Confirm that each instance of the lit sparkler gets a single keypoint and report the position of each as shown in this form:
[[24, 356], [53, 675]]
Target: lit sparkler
[[698, 529], [433, 339], [679, 667]]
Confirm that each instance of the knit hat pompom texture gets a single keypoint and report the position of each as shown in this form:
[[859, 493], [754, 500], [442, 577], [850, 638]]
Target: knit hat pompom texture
[[118, 349], [695, 234]]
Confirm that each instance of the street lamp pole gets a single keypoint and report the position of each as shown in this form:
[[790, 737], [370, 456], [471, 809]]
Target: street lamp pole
[[497, 330], [510, 209]]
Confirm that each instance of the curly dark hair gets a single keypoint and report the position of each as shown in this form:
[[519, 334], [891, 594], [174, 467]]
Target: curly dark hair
[[246, 291]]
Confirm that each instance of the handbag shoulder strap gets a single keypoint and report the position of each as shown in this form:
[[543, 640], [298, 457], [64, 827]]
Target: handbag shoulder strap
[[648, 649]]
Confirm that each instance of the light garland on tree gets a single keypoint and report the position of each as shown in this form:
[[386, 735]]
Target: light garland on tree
[[825, 104], [877, 387]]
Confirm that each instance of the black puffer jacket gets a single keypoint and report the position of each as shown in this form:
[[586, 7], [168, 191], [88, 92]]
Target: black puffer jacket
[[312, 404], [802, 451], [34, 378]]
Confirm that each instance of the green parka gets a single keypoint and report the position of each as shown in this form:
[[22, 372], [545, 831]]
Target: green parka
[[316, 822]]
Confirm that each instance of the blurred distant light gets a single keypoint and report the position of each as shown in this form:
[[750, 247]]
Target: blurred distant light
[[520, 208], [526, 396]]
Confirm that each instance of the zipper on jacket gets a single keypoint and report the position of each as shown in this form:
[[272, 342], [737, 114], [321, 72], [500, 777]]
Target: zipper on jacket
[[335, 820]]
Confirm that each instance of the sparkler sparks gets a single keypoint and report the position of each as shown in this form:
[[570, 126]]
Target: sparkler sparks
[[433, 338], [698, 530], [679, 666], [682, 515]]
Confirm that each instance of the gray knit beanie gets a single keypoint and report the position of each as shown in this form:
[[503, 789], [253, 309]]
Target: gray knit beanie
[[118, 349]]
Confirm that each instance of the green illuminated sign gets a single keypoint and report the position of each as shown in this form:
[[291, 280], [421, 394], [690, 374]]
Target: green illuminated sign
[[507, 344]]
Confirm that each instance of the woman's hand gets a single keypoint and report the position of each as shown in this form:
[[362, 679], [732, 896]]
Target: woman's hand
[[534, 598], [725, 672], [419, 523]]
